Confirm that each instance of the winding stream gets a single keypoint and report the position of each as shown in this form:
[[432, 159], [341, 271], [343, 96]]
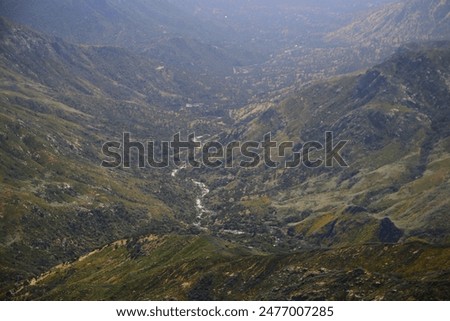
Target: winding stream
[[199, 201], [202, 210]]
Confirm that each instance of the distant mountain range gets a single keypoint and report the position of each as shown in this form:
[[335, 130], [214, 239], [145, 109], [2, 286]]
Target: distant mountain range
[[369, 38], [59, 103], [156, 27]]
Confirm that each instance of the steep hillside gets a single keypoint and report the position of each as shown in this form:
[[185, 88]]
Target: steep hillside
[[395, 118], [203, 268], [58, 104], [396, 24]]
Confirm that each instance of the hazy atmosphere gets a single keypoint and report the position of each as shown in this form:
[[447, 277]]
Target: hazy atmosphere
[[219, 150]]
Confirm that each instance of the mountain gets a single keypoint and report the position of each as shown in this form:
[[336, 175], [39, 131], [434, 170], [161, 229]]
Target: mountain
[[370, 37], [266, 23], [135, 23], [118, 72], [165, 268], [399, 23], [58, 104], [165, 32], [224, 34], [377, 35], [377, 230], [395, 118]]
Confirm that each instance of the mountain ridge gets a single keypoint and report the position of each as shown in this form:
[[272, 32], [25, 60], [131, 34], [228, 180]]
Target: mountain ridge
[[107, 22]]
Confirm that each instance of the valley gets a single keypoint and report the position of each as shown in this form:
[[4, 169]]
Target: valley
[[376, 75]]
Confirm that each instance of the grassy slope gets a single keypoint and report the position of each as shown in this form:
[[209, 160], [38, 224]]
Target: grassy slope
[[204, 268], [109, 22]]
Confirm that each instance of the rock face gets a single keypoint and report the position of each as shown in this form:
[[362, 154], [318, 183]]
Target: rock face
[[388, 232]]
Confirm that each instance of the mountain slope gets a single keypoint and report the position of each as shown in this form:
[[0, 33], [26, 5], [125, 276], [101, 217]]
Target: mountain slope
[[378, 229], [396, 118], [399, 23], [108, 22], [203, 268], [154, 27], [369, 39]]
